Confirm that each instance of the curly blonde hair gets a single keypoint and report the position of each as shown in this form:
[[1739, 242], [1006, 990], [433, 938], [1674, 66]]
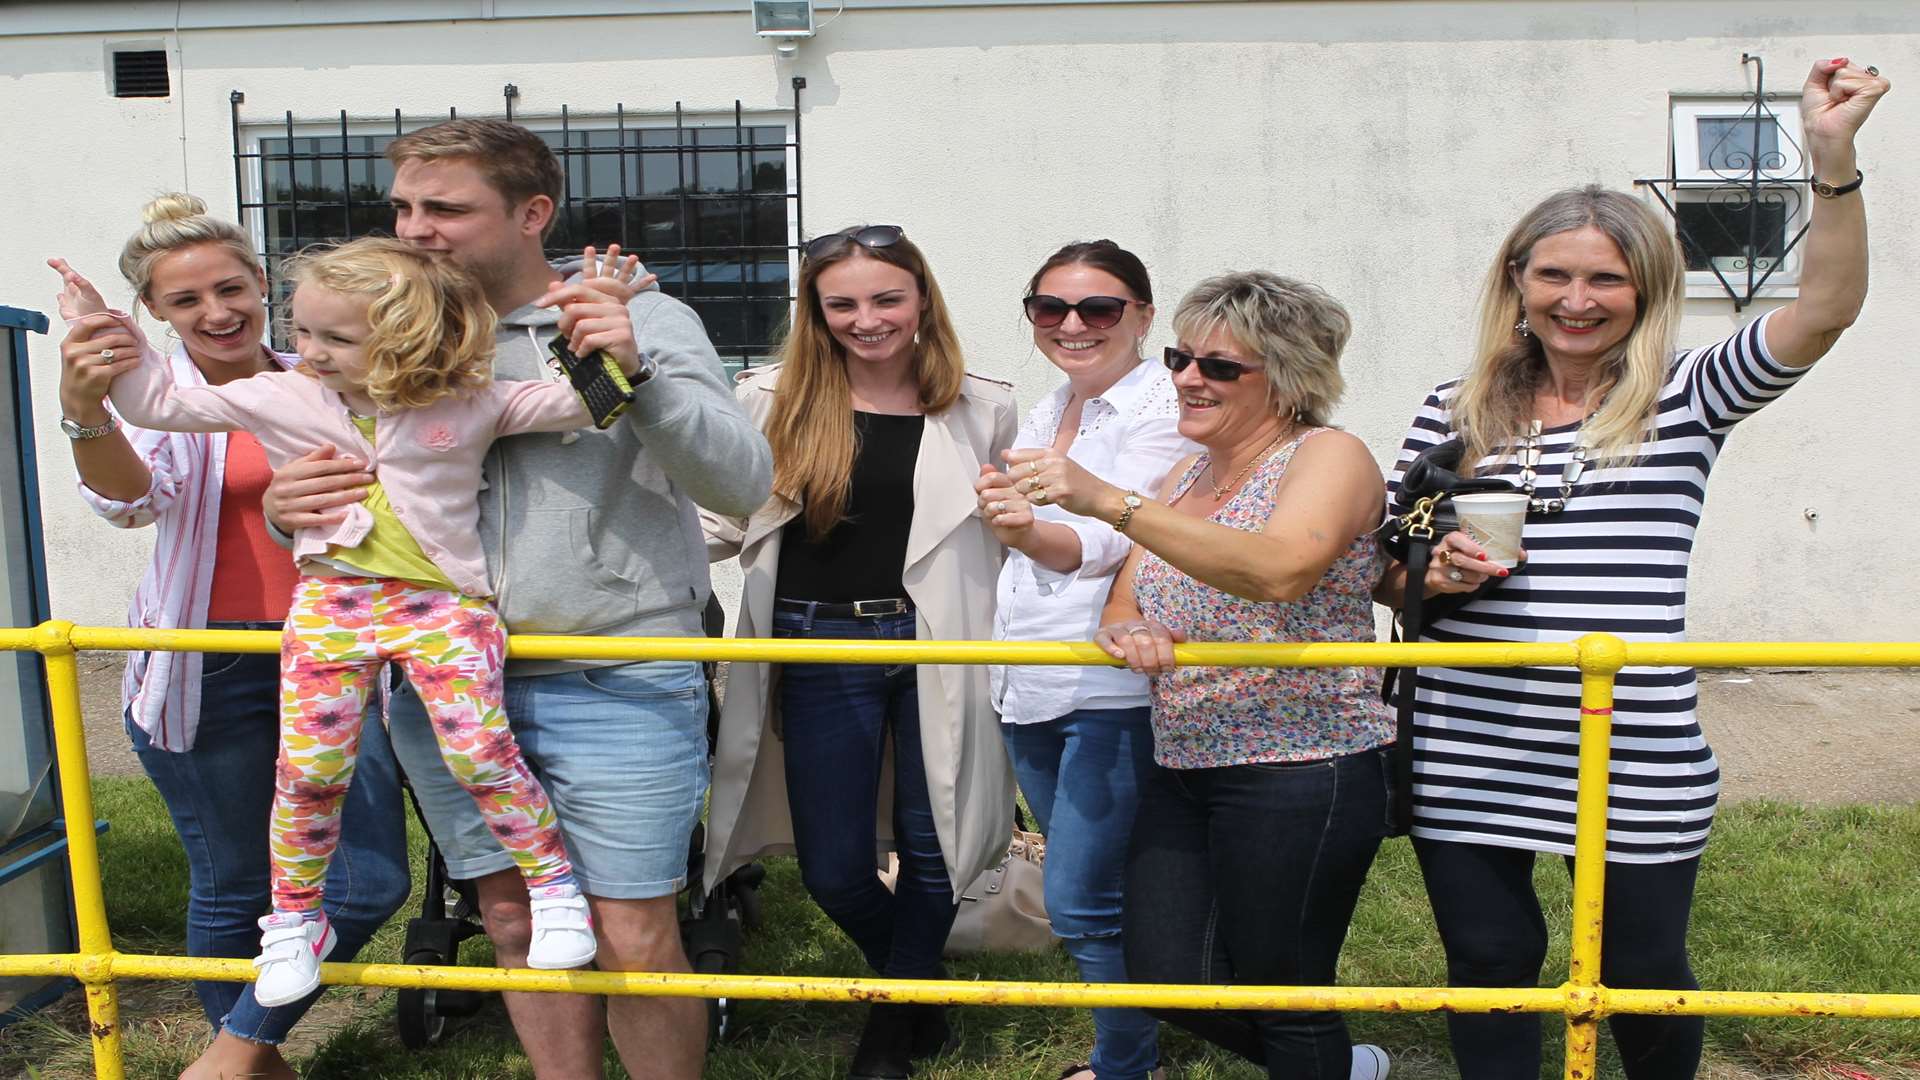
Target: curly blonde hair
[[431, 326]]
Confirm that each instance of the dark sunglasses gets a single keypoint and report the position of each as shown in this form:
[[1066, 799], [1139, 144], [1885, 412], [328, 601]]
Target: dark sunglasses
[[1099, 312], [867, 236], [1216, 368]]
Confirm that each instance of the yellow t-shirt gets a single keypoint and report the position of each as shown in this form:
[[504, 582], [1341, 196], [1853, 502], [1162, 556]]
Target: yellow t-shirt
[[389, 550]]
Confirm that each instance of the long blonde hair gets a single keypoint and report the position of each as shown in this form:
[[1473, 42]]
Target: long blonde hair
[[431, 326], [174, 221], [1494, 402], [811, 428]]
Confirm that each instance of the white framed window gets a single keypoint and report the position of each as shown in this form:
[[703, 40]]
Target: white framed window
[[1736, 203]]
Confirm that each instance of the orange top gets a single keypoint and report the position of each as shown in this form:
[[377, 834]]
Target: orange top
[[253, 577]]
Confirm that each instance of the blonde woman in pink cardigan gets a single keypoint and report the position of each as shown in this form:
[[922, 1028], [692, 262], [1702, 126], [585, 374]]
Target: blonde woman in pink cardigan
[[396, 365]]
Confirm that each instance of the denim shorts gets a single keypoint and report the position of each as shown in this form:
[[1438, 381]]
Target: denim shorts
[[622, 753]]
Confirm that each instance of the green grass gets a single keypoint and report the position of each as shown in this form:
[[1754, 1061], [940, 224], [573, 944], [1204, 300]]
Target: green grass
[[1789, 899]]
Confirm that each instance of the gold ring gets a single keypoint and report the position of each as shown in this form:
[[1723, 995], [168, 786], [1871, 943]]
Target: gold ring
[[1140, 630], [1040, 495], [1446, 556], [1033, 468]]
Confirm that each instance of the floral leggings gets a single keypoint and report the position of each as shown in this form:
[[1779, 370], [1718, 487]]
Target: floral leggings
[[340, 632]]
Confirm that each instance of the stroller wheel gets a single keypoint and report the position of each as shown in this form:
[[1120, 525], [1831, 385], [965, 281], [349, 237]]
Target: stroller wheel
[[421, 1024]]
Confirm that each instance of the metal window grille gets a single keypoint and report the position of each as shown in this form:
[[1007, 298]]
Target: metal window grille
[[140, 73], [712, 205], [1735, 207]]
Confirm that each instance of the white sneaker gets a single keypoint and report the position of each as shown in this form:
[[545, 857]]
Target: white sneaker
[[1369, 1063], [562, 929], [291, 948]]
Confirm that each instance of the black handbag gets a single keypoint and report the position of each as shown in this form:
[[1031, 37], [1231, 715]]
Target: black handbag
[[1427, 487]]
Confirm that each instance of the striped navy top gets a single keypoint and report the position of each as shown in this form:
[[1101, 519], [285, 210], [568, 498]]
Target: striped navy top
[[1496, 749]]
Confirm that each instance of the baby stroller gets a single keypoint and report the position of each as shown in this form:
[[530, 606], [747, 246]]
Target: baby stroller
[[713, 921]]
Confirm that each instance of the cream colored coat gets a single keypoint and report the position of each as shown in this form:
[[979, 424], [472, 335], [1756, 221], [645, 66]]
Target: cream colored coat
[[953, 561]]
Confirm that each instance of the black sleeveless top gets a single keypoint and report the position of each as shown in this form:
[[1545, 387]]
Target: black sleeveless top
[[864, 556]]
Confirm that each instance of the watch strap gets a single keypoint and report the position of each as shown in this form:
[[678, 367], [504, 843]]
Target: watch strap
[[1833, 191]]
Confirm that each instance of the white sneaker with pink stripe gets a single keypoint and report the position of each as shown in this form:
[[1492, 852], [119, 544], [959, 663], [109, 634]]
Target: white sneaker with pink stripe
[[291, 948], [562, 929]]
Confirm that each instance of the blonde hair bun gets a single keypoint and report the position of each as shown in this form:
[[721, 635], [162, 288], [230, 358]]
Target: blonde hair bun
[[173, 206]]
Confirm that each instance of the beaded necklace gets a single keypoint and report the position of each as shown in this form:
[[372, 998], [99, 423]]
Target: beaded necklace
[[1569, 474]]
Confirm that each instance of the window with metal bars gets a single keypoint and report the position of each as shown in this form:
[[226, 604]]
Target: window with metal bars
[[709, 204]]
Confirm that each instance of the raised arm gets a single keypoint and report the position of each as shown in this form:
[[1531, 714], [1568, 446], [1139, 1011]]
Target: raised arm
[[146, 394], [689, 421], [1834, 104], [91, 356]]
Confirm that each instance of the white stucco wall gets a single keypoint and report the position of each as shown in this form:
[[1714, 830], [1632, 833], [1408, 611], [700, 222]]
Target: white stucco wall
[[1379, 149]]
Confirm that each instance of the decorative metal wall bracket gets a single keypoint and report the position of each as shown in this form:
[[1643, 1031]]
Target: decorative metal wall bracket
[[1746, 177]]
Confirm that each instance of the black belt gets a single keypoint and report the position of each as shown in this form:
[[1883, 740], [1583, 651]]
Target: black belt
[[860, 609]]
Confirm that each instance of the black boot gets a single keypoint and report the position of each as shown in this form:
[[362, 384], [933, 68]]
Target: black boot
[[932, 1035], [884, 1045]]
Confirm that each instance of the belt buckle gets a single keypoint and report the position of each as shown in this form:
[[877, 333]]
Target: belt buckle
[[879, 607]]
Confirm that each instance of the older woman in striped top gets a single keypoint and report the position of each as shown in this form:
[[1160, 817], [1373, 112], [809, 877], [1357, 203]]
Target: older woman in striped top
[[1576, 394]]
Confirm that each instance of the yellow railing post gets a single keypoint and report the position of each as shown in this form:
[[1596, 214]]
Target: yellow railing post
[[54, 641], [1601, 657]]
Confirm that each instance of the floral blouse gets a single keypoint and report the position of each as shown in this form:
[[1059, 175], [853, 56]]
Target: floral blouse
[[1207, 717]]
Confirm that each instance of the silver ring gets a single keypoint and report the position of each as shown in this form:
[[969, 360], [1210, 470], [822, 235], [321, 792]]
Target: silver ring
[[997, 506], [1140, 630], [107, 355], [1455, 575], [1871, 70]]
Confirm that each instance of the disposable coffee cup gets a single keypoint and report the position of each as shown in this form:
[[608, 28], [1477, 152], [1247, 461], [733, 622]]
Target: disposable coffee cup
[[1493, 519]]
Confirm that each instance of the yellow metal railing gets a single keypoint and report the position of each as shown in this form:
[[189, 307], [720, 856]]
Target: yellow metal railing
[[1581, 999]]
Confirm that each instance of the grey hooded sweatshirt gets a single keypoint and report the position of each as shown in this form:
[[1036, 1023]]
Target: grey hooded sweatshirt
[[595, 532]]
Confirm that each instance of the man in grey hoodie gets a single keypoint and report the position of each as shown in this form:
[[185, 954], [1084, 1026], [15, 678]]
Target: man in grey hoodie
[[593, 533]]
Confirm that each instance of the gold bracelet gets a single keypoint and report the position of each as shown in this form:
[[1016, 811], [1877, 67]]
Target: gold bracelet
[[1129, 502]]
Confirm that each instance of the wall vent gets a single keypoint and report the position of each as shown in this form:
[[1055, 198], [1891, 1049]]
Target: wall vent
[[140, 73]]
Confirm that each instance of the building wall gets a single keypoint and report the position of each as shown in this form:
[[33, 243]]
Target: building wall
[[1378, 149]]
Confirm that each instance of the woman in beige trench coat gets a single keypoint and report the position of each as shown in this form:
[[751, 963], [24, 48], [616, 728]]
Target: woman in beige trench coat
[[872, 532]]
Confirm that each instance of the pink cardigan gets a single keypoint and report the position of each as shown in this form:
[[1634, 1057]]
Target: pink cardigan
[[428, 460]]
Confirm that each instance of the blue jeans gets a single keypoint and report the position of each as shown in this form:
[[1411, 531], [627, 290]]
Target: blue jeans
[[1082, 774], [622, 752], [836, 720], [1249, 874], [220, 794]]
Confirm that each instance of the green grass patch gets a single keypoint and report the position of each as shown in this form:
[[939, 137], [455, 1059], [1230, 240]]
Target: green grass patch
[[1790, 898]]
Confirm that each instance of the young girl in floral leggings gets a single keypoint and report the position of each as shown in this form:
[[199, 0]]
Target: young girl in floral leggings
[[396, 353]]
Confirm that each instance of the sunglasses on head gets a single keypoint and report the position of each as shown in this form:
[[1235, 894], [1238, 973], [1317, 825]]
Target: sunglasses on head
[[1219, 369], [1098, 312], [867, 236]]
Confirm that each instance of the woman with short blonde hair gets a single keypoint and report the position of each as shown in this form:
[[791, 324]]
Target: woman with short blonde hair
[[1267, 796]]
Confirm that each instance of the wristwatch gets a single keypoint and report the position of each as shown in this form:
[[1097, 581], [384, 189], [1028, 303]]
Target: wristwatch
[[1129, 502], [80, 434], [1829, 191]]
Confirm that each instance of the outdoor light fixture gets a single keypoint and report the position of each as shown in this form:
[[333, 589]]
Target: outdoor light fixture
[[783, 18]]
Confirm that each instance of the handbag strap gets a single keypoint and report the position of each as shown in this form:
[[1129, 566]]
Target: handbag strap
[[1401, 689]]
